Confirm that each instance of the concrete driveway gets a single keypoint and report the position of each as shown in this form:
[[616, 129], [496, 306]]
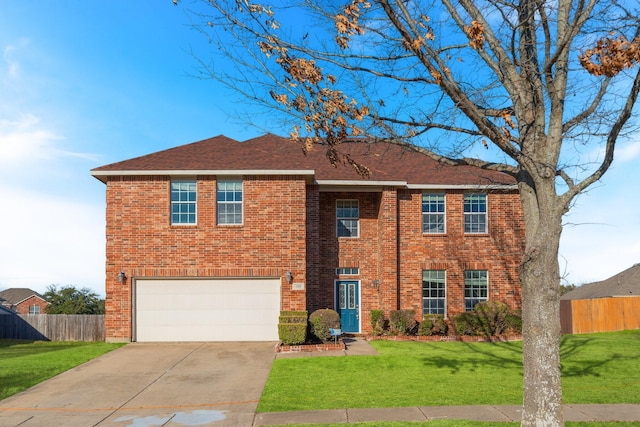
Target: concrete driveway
[[159, 384]]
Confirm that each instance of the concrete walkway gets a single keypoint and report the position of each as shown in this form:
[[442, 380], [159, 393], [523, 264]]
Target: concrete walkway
[[488, 413]]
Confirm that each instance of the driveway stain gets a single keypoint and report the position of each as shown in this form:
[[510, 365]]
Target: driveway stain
[[194, 418]]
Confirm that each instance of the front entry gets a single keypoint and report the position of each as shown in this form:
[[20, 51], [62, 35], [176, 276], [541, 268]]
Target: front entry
[[348, 305]]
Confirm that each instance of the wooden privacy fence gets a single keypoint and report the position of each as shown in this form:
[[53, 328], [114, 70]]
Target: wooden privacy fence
[[583, 316], [53, 327]]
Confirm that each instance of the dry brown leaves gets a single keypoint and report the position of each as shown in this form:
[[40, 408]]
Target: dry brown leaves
[[475, 33], [610, 56], [347, 22]]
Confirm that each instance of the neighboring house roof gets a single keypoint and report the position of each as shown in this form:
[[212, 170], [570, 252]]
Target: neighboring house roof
[[626, 283], [15, 296], [389, 164]]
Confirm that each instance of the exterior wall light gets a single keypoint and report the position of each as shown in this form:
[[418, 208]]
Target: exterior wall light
[[376, 284], [122, 277], [289, 276]]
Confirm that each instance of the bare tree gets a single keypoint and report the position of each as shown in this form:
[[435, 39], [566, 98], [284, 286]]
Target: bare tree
[[532, 88]]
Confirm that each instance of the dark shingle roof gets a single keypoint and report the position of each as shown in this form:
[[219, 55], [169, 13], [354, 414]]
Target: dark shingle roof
[[17, 295], [387, 162], [626, 283]]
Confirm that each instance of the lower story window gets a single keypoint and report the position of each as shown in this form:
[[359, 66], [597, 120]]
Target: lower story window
[[476, 288], [433, 292]]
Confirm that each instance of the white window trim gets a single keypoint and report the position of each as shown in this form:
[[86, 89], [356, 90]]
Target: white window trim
[[355, 271], [234, 224], [195, 203], [444, 214], [338, 218], [486, 214], [445, 293], [465, 288]]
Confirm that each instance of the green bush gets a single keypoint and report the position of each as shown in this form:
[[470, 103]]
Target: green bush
[[321, 320], [377, 322], [402, 322], [292, 327], [433, 324], [292, 333], [492, 317], [514, 322], [466, 323], [293, 317]]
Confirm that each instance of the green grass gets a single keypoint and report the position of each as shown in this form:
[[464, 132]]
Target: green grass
[[597, 368], [26, 363]]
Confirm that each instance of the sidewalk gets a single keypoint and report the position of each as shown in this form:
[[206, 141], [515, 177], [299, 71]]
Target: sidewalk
[[356, 346], [488, 413]]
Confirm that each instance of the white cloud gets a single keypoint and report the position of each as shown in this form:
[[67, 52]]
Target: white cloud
[[629, 152], [22, 140], [48, 240]]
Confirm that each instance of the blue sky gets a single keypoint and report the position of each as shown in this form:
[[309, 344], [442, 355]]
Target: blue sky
[[87, 83]]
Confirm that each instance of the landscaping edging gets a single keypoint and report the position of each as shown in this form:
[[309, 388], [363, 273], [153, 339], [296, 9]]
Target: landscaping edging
[[329, 346], [432, 338]]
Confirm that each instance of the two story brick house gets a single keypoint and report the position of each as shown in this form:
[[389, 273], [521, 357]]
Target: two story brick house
[[209, 241]]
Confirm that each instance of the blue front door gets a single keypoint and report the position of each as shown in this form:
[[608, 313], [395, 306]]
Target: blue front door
[[348, 305]]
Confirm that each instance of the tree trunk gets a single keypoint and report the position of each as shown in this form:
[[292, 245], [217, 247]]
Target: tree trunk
[[540, 279]]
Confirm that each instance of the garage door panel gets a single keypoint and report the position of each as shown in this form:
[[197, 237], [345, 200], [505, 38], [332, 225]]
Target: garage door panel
[[207, 310]]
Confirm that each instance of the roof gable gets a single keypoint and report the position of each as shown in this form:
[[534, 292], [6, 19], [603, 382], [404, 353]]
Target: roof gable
[[271, 154], [626, 283], [15, 296]]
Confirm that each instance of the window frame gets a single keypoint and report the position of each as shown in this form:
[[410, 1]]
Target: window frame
[[36, 309], [431, 215], [188, 203], [340, 219], [471, 214], [219, 203], [472, 285], [428, 310], [347, 271]]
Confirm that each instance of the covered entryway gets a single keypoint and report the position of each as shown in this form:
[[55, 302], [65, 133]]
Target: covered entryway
[[206, 309]]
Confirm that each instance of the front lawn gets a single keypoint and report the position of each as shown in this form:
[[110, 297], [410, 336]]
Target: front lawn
[[26, 363], [596, 368]]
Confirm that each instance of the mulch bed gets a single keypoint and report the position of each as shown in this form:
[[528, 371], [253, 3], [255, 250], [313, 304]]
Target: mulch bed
[[330, 346]]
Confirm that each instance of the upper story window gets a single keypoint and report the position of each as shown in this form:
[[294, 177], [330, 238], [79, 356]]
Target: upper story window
[[475, 213], [433, 213], [229, 201], [34, 309], [183, 202], [347, 218], [476, 288]]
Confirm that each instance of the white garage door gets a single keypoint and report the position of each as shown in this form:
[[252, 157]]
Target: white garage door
[[207, 310]]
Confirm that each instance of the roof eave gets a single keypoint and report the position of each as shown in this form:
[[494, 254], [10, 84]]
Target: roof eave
[[102, 175], [462, 186]]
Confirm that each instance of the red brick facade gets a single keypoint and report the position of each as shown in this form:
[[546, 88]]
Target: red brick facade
[[23, 307], [291, 226]]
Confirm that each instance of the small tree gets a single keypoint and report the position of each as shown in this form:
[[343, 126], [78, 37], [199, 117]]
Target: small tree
[[70, 300]]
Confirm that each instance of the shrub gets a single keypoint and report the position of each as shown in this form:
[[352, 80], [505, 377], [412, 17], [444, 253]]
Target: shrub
[[377, 322], [466, 323], [492, 317], [514, 322], [292, 333], [320, 322], [402, 322], [433, 324], [292, 327]]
